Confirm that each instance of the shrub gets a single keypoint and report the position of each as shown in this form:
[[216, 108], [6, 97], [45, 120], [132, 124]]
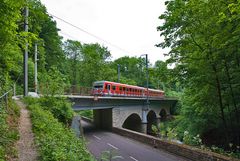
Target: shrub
[[192, 140], [55, 142], [59, 107], [8, 130], [86, 113]]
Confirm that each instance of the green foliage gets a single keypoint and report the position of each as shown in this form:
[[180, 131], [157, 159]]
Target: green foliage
[[60, 108], [94, 61], [9, 131], [55, 142], [73, 51], [164, 131], [132, 70], [10, 53], [53, 82], [192, 140], [109, 155], [171, 134], [204, 41], [86, 113], [159, 130]]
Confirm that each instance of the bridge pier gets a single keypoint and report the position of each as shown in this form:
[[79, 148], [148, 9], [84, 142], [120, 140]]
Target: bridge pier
[[144, 128], [144, 124], [144, 116], [102, 118]]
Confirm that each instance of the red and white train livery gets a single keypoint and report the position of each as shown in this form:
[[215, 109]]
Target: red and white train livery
[[107, 88]]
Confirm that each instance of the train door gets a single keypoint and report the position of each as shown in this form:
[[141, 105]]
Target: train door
[[109, 89]]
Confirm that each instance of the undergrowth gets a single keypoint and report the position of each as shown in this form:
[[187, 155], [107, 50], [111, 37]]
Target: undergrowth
[[54, 140], [9, 116], [86, 113]]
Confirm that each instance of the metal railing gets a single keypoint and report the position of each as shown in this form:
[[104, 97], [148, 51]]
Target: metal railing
[[70, 90], [4, 98], [78, 90]]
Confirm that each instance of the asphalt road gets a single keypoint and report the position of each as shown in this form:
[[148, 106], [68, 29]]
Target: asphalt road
[[124, 148]]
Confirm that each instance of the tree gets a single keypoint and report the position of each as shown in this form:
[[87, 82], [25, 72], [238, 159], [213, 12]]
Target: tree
[[132, 70], [204, 47], [10, 67], [73, 51], [94, 64]]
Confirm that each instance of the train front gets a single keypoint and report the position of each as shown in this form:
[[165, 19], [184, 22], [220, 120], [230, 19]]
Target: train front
[[97, 88]]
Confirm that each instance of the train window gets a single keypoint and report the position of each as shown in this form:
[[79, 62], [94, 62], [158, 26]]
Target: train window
[[120, 88], [108, 86], [124, 88], [98, 86], [114, 88], [127, 89]]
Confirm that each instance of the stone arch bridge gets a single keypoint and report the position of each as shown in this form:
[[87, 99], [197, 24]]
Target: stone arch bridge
[[115, 111]]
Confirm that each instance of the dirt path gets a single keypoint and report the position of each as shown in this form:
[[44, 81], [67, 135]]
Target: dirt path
[[25, 146]]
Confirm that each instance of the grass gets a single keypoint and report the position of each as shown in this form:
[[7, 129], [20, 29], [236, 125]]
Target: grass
[[9, 116]]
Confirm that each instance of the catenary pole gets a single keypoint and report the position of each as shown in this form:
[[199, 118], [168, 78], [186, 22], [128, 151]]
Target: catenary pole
[[146, 108], [35, 68], [147, 77], [118, 66], [25, 61]]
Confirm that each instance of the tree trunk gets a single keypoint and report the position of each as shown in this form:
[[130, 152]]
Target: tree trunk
[[236, 111], [218, 86]]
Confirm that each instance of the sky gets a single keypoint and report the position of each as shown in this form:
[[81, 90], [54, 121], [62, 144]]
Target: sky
[[128, 27]]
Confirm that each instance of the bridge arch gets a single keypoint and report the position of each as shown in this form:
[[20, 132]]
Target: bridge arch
[[133, 122], [151, 116], [163, 114], [152, 120]]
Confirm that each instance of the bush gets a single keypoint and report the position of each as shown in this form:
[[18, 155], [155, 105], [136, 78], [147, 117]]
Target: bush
[[86, 113], [55, 142], [8, 130], [192, 140], [59, 107]]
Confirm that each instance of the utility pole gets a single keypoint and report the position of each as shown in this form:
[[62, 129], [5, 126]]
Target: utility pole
[[118, 66], [25, 60], [147, 77], [145, 108], [35, 68]]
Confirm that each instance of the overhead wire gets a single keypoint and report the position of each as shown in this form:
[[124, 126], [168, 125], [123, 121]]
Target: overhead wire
[[83, 30]]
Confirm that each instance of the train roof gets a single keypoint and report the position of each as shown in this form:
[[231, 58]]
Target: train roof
[[98, 82], [102, 82]]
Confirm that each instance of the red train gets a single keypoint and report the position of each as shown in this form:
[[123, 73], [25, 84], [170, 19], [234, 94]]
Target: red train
[[107, 88]]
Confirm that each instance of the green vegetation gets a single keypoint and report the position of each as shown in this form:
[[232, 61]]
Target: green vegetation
[[86, 113], [55, 141], [204, 41], [109, 155], [203, 38], [9, 132], [60, 108]]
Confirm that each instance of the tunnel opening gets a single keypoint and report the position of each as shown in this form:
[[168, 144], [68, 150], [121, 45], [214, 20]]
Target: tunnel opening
[[152, 120], [133, 122], [103, 119]]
